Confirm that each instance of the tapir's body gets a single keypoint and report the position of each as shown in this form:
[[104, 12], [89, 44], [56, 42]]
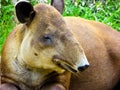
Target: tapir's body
[[102, 48], [101, 44]]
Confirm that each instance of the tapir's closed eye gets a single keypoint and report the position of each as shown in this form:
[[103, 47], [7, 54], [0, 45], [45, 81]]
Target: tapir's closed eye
[[47, 39]]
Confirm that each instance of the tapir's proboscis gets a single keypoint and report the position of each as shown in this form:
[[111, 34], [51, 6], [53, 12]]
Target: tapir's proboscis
[[50, 52]]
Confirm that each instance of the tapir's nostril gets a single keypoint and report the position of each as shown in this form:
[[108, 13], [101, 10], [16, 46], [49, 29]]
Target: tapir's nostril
[[82, 68]]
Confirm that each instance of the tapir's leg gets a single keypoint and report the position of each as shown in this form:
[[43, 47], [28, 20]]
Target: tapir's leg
[[62, 82], [8, 87], [54, 87]]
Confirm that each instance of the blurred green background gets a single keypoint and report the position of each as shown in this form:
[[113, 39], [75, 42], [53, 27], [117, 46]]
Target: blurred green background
[[106, 11]]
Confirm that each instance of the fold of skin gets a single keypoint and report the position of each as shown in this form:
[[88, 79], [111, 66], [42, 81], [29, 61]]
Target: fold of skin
[[60, 82]]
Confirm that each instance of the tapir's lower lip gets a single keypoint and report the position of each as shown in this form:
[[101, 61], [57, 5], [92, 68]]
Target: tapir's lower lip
[[63, 64]]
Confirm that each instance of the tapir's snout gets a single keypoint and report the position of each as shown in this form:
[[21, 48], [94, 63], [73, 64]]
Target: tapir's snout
[[82, 68], [81, 65]]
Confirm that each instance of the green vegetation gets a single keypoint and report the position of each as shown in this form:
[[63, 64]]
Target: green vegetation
[[106, 11], [6, 21]]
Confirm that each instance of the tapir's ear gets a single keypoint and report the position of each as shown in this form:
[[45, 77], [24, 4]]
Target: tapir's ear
[[58, 4], [24, 11]]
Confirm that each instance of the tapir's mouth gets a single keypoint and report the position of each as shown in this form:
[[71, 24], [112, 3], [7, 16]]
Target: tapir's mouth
[[63, 64]]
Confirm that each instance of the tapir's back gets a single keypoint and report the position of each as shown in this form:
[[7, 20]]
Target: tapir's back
[[102, 48]]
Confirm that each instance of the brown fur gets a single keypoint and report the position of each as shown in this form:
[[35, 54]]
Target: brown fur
[[102, 48], [23, 52]]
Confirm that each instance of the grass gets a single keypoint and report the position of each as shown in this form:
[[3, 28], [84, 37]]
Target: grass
[[106, 11], [6, 22]]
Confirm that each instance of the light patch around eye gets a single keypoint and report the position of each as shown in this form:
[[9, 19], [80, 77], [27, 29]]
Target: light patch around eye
[[38, 58]]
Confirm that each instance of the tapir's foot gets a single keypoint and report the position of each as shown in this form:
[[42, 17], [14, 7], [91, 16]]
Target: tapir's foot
[[53, 87], [56, 86], [8, 87]]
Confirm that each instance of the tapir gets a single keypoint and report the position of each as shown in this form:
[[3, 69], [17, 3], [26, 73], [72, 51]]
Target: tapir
[[50, 52]]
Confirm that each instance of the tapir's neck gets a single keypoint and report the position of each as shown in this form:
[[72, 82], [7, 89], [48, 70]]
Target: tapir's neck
[[28, 76]]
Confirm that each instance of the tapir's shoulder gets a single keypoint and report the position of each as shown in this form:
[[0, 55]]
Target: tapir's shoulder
[[19, 29], [13, 42], [16, 34]]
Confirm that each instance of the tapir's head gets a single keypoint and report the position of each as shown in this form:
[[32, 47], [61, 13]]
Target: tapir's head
[[47, 42]]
